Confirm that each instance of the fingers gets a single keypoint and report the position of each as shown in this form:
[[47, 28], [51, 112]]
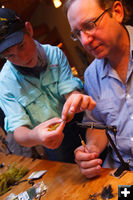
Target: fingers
[[90, 168], [77, 103], [55, 143], [91, 172], [69, 108], [84, 156], [55, 137], [87, 103], [60, 128], [52, 121], [91, 104], [89, 163]]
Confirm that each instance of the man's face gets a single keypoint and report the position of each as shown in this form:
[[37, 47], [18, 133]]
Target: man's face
[[23, 54], [103, 39]]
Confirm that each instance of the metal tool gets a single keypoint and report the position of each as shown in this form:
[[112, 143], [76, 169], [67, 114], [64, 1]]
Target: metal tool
[[124, 165], [83, 143]]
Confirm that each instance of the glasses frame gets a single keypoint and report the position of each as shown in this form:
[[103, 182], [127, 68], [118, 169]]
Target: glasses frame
[[75, 37]]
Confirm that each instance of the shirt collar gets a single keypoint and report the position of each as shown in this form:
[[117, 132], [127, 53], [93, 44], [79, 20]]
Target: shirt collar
[[105, 70], [41, 64], [130, 32], [106, 66], [42, 59]]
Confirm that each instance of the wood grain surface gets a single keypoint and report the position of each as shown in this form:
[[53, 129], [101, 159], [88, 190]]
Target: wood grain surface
[[64, 181]]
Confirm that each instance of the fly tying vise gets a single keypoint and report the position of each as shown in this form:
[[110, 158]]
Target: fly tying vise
[[124, 165]]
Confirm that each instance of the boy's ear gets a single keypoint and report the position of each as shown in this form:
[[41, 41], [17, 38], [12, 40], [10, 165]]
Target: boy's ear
[[29, 28], [118, 11]]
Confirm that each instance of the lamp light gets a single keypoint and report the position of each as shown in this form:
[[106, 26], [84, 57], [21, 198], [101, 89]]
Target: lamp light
[[57, 3]]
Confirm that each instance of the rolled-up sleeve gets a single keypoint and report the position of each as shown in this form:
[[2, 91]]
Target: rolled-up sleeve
[[14, 112]]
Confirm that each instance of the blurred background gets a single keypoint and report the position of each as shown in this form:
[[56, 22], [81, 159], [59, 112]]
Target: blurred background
[[50, 26]]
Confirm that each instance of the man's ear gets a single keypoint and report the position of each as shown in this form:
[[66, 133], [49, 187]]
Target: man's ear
[[29, 28], [118, 11]]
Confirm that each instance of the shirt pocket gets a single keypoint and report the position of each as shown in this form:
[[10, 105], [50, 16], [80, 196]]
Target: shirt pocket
[[35, 107], [50, 82], [124, 144], [40, 106], [106, 109]]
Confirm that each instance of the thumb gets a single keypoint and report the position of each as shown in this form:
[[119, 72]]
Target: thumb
[[61, 126]]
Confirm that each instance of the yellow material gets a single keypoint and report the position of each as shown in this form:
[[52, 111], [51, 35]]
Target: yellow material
[[82, 141], [53, 127], [9, 177]]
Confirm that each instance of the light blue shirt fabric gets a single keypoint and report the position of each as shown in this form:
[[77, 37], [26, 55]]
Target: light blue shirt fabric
[[114, 103], [27, 100]]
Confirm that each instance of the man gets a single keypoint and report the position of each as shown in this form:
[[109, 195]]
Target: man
[[99, 26], [35, 82]]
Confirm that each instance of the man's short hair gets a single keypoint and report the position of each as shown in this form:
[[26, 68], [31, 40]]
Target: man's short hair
[[104, 4]]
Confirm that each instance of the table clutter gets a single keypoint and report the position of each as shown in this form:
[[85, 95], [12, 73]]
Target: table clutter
[[60, 181]]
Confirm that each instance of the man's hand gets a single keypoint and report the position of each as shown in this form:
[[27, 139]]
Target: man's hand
[[88, 162], [76, 102], [41, 134], [51, 139]]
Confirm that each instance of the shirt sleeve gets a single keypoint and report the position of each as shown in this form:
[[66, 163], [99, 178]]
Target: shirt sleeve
[[91, 88], [15, 115], [67, 82]]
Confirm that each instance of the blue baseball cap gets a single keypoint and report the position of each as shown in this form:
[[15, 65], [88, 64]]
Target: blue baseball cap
[[11, 29]]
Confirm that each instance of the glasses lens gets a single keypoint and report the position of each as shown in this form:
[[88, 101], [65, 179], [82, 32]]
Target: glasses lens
[[74, 37], [88, 26]]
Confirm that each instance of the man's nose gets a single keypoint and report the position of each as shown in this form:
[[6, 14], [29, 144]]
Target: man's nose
[[86, 38]]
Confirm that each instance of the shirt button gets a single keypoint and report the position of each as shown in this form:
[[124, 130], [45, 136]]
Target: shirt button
[[128, 96]]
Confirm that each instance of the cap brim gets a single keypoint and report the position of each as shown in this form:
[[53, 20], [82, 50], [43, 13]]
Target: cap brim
[[11, 40]]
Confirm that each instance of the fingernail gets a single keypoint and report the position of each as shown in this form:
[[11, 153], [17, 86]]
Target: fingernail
[[99, 162], [71, 109], [60, 120], [98, 167], [63, 117]]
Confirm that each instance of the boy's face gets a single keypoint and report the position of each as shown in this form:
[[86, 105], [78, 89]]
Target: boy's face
[[104, 38], [23, 54]]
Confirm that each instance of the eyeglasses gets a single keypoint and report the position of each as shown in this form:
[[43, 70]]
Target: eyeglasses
[[86, 27]]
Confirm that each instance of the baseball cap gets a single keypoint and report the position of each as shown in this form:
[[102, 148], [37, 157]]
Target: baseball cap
[[11, 28]]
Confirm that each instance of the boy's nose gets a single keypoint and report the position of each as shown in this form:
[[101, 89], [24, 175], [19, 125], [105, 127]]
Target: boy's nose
[[23, 57]]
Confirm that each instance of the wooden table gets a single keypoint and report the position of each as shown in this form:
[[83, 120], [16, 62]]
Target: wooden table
[[64, 181]]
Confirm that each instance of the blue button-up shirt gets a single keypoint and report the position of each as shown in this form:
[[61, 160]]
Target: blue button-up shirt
[[114, 103]]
